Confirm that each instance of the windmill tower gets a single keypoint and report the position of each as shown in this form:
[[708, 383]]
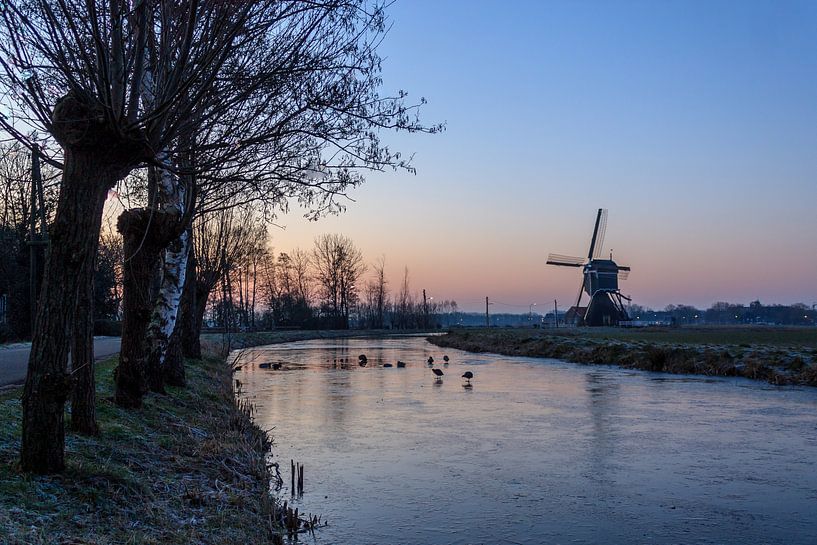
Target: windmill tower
[[599, 280]]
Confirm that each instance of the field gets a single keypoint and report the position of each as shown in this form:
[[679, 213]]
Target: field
[[779, 355], [777, 336]]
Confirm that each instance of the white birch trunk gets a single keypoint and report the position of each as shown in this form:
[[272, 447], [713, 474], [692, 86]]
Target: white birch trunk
[[174, 267], [174, 261]]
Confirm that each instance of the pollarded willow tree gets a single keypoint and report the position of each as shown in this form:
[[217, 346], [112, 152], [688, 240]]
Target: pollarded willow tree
[[323, 112], [120, 84]]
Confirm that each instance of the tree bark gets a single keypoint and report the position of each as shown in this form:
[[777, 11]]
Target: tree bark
[[189, 327], [145, 233], [83, 396], [174, 372], [74, 238], [165, 309], [95, 158]]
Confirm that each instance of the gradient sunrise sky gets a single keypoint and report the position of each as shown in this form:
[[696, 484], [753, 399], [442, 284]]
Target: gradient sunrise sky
[[694, 123]]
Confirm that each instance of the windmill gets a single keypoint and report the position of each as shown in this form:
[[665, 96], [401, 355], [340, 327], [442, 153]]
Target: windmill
[[599, 279]]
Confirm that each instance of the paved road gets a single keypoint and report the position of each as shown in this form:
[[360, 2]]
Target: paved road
[[14, 358]]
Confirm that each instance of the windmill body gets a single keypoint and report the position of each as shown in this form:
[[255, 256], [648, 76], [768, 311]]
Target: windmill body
[[599, 280]]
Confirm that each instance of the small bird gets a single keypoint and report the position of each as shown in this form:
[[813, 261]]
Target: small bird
[[468, 375], [363, 359], [438, 372], [401, 364], [265, 365], [387, 365], [445, 358], [430, 360], [276, 366]]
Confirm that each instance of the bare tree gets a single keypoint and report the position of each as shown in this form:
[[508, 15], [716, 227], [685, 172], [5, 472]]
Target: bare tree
[[381, 292], [79, 70], [404, 304], [87, 59], [338, 264], [304, 130]]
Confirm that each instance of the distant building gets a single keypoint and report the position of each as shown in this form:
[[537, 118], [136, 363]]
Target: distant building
[[575, 315]]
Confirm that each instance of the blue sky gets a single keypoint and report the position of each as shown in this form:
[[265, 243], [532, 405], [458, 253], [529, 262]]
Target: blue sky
[[694, 123]]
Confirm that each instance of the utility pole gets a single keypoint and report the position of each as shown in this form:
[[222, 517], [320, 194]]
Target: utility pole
[[555, 315], [33, 239], [487, 319]]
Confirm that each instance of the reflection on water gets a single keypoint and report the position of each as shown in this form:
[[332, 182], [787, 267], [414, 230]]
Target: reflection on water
[[536, 451]]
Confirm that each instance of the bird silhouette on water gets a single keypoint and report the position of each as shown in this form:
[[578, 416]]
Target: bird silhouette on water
[[468, 375], [438, 372], [445, 359], [430, 361], [401, 364]]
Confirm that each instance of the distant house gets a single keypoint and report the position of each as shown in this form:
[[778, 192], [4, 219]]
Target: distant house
[[575, 315]]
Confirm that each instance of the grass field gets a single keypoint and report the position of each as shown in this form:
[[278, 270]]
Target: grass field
[[779, 355], [777, 336]]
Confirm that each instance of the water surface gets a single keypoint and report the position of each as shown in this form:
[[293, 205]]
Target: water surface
[[536, 451]]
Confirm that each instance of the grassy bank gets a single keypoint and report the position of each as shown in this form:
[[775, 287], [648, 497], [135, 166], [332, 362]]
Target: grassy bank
[[777, 355], [187, 468]]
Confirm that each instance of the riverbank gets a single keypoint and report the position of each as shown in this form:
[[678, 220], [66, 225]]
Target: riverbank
[[188, 467], [776, 355]]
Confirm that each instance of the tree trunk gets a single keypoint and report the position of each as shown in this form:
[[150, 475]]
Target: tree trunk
[[166, 307], [83, 397], [173, 369], [74, 238], [95, 158], [145, 233], [189, 329]]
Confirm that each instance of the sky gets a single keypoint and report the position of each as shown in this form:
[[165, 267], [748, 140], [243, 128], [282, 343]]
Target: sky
[[693, 123]]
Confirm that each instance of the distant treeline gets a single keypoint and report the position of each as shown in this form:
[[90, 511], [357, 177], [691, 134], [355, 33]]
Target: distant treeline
[[729, 313], [719, 313]]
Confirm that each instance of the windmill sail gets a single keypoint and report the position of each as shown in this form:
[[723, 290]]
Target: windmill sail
[[601, 230], [565, 260], [595, 235]]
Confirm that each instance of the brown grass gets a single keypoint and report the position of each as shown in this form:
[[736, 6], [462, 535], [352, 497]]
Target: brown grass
[[787, 357]]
